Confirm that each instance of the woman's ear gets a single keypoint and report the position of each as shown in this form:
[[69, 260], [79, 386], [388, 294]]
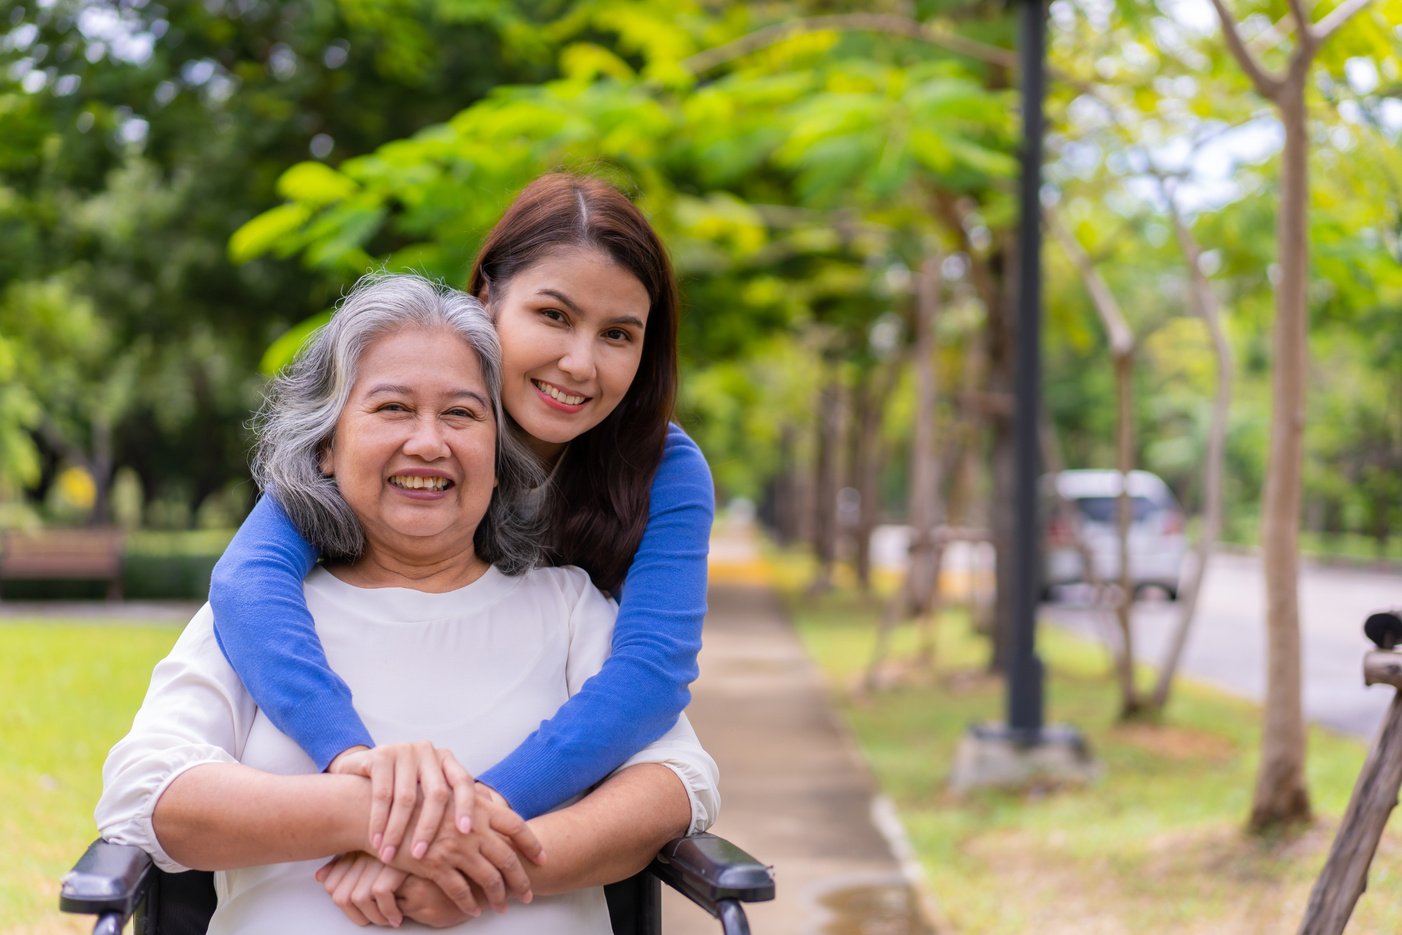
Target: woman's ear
[[326, 462]]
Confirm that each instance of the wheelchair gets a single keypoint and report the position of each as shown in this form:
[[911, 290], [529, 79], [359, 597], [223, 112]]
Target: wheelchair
[[119, 883]]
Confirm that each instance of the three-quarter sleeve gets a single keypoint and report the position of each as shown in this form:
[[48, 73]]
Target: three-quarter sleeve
[[196, 711], [591, 625], [680, 751]]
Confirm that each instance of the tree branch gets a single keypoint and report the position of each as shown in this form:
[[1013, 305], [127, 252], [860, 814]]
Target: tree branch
[[1267, 84], [1266, 39], [1302, 19], [986, 284], [702, 62], [1337, 17], [1116, 327]]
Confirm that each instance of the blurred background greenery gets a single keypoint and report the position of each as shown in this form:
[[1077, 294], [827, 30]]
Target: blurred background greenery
[[182, 184], [187, 186]]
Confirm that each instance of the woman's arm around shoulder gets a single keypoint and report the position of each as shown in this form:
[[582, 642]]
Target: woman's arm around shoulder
[[643, 685], [267, 634]]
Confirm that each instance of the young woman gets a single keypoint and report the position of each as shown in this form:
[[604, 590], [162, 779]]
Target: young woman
[[585, 302]]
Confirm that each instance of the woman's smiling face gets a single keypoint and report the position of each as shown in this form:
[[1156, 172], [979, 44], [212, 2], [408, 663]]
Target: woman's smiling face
[[571, 328], [414, 452]]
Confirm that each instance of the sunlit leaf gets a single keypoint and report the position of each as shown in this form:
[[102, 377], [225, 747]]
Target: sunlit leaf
[[266, 232]]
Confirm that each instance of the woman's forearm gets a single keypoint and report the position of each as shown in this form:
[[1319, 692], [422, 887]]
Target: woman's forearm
[[613, 832], [220, 816], [267, 634], [642, 686]]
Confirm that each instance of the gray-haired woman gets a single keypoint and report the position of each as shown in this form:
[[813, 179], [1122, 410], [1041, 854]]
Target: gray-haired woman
[[382, 442]]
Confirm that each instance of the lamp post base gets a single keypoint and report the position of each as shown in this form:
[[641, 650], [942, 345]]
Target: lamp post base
[[1001, 757]]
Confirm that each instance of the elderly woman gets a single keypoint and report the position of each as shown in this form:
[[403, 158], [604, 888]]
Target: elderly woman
[[383, 443]]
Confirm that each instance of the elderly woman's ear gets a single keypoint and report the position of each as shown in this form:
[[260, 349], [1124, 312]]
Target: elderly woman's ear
[[325, 461], [485, 297]]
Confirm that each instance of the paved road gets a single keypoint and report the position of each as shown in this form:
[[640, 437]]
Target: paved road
[[1227, 645]]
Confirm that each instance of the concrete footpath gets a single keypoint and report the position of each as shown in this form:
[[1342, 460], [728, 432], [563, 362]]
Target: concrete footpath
[[795, 792]]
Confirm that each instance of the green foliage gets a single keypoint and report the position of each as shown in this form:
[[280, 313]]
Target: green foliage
[[136, 138], [1150, 112], [19, 413], [211, 180], [171, 566], [799, 125]]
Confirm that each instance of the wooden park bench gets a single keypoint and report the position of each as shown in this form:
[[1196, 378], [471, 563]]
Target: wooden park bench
[[64, 554]]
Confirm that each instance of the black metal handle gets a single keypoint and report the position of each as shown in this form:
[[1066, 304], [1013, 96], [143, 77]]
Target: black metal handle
[[1384, 629]]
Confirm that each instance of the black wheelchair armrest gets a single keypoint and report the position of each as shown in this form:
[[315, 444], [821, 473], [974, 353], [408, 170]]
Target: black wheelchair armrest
[[111, 881], [713, 873], [108, 881]]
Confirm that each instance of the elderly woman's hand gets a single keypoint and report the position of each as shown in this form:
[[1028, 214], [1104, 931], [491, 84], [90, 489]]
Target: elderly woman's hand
[[426, 904], [364, 888], [487, 860], [403, 777]]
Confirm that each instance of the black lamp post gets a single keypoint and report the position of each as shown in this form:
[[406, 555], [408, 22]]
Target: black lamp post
[[1025, 689], [1023, 748]]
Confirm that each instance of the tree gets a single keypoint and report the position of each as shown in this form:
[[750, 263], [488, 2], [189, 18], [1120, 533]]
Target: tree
[[134, 138], [1281, 796], [1122, 355]]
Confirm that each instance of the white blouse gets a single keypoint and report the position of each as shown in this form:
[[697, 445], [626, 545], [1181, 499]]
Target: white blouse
[[474, 670]]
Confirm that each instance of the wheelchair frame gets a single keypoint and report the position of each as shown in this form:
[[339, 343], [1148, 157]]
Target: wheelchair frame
[[119, 883]]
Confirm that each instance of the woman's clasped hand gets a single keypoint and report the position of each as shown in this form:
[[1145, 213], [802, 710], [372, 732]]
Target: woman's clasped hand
[[468, 845]]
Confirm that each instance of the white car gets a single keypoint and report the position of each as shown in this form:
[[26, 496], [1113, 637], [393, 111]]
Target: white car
[[1084, 504]]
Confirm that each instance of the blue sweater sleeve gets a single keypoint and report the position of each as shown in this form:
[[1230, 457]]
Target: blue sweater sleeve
[[636, 697], [262, 624]]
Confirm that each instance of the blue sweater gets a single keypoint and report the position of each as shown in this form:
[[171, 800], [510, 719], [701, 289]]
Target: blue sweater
[[263, 627]]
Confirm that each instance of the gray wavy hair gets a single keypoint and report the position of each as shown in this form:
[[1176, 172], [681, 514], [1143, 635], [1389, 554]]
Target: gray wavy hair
[[298, 419]]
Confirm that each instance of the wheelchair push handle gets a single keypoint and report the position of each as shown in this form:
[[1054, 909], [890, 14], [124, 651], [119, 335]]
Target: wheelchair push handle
[[108, 878], [717, 876]]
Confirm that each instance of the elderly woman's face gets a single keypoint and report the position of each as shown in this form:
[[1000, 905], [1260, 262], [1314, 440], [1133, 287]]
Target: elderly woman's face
[[414, 449]]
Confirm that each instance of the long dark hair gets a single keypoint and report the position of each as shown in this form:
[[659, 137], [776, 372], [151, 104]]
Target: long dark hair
[[599, 506]]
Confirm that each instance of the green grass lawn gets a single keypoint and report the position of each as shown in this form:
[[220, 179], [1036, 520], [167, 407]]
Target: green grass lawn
[[68, 690], [1156, 845]]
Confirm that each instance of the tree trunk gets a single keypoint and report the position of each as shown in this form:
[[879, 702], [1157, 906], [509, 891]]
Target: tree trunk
[[924, 460], [1209, 309], [1281, 796], [869, 399], [825, 485], [1124, 514], [101, 469], [919, 593], [1002, 520], [990, 271], [784, 490], [861, 440], [1120, 339], [864, 459]]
